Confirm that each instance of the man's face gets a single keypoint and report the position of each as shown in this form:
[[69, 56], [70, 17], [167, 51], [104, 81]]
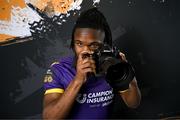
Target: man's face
[[87, 39]]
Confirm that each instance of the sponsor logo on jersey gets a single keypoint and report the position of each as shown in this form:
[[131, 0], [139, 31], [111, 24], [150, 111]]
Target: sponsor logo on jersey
[[96, 99], [81, 98]]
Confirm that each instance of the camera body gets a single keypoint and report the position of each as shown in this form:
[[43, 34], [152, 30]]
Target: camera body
[[104, 57], [118, 73]]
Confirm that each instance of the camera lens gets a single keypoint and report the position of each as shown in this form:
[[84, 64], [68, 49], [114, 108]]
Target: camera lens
[[120, 74]]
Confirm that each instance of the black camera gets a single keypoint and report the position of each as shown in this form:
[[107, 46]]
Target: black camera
[[118, 73]]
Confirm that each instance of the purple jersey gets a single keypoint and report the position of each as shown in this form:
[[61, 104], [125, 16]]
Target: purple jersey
[[93, 100]]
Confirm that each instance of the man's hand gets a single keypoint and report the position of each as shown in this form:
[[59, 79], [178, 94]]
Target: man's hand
[[84, 66], [123, 57]]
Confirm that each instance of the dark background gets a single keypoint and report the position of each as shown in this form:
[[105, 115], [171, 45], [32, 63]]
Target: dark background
[[147, 31]]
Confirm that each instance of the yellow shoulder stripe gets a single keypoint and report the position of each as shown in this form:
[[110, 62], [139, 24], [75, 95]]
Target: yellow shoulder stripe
[[54, 90], [56, 62]]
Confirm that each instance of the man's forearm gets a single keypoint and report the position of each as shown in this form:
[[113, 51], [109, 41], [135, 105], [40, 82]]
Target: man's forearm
[[132, 96], [60, 108]]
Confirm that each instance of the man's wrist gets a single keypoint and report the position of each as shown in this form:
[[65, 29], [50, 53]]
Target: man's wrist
[[123, 91], [78, 80]]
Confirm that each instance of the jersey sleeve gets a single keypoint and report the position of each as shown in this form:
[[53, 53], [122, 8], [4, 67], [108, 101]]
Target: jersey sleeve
[[52, 80]]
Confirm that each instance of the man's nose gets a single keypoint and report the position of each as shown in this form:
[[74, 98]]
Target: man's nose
[[87, 48]]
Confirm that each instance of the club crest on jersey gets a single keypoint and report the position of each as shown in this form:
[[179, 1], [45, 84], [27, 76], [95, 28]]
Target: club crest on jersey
[[48, 76]]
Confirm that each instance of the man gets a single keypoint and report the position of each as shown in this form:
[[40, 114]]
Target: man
[[69, 92]]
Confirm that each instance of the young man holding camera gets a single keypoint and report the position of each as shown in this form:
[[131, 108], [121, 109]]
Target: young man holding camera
[[69, 91]]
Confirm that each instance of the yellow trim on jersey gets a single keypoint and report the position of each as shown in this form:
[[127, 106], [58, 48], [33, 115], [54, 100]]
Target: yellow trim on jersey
[[54, 90], [56, 62]]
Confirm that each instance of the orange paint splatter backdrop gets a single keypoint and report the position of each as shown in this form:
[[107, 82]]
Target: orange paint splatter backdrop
[[6, 6], [15, 15], [5, 13]]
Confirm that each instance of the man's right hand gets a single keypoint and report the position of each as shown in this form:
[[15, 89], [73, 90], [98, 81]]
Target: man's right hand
[[84, 66]]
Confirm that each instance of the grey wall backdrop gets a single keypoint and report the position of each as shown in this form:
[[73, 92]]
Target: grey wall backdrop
[[147, 31]]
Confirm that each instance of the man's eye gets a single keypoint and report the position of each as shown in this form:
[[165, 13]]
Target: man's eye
[[94, 46], [79, 44]]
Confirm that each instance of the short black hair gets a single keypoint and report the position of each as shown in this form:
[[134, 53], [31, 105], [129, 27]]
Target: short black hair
[[93, 18]]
